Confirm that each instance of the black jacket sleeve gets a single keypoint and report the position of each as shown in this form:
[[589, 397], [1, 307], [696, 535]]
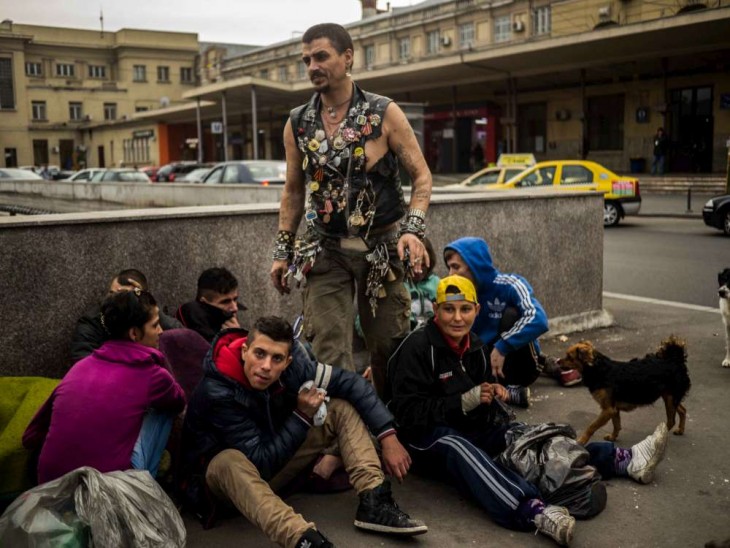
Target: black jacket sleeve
[[218, 416], [88, 335], [341, 384], [418, 403]]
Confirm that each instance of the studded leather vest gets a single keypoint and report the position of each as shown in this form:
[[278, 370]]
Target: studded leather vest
[[343, 199]]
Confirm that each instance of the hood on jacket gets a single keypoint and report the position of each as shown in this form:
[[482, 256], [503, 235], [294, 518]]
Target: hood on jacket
[[476, 255], [129, 352]]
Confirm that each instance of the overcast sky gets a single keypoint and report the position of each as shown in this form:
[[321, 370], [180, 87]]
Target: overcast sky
[[258, 22]]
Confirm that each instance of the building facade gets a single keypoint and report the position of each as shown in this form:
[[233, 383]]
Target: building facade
[[68, 97], [561, 79]]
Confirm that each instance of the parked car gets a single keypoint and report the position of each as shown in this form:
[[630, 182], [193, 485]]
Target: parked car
[[19, 174], [170, 172], [716, 213], [263, 172], [121, 175], [621, 195], [195, 176], [84, 174], [508, 165], [150, 171]]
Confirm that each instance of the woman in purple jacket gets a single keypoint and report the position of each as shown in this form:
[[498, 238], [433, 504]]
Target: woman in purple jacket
[[113, 410]]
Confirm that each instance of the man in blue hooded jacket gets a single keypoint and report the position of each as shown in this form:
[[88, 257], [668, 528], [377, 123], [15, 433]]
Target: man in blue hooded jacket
[[511, 318]]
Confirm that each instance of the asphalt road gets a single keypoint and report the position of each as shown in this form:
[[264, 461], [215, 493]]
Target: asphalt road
[[665, 258]]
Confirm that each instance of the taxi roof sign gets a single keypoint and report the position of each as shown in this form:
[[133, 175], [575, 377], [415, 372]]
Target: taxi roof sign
[[527, 159]]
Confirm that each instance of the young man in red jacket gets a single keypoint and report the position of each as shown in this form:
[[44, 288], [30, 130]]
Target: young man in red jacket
[[257, 420]]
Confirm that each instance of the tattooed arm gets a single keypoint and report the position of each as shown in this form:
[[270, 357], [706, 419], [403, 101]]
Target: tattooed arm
[[402, 141], [292, 202]]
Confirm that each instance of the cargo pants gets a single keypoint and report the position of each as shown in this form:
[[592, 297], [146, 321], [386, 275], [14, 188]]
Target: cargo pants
[[338, 276]]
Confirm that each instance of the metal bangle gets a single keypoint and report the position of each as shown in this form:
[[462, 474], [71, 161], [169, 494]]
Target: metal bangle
[[418, 213]]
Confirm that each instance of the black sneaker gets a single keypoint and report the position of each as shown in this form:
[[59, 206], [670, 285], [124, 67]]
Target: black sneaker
[[379, 512], [313, 539]]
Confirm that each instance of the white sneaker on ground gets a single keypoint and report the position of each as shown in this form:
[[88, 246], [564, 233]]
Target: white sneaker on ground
[[646, 454], [557, 523]]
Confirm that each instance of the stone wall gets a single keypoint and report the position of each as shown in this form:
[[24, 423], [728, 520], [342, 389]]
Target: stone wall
[[55, 266]]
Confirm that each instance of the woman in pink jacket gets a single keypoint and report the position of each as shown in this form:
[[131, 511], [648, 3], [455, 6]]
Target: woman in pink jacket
[[114, 409]]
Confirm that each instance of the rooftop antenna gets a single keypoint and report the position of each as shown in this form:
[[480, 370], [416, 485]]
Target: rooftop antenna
[[101, 20]]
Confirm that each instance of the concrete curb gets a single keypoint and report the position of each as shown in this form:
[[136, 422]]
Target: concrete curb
[[584, 321]]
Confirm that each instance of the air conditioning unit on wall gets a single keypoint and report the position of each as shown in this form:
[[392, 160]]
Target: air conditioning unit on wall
[[445, 41], [518, 26]]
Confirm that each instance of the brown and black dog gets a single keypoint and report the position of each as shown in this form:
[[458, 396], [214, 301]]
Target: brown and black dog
[[624, 386]]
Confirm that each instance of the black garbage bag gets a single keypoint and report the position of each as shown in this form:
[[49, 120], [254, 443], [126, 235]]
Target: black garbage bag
[[548, 456], [86, 508]]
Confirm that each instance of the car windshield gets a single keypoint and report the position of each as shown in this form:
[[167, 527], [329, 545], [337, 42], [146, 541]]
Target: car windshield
[[132, 177], [485, 178], [262, 171]]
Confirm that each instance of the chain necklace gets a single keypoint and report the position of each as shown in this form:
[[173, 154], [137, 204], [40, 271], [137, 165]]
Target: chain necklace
[[332, 110]]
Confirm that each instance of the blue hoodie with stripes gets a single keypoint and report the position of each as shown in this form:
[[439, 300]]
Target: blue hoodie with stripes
[[496, 292]]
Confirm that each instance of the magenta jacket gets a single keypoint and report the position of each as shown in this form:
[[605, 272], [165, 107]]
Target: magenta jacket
[[94, 415]]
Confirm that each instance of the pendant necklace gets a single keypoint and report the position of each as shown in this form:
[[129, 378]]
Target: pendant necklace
[[332, 110]]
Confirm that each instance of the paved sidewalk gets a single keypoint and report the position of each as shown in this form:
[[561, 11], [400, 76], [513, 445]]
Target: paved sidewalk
[[687, 505]]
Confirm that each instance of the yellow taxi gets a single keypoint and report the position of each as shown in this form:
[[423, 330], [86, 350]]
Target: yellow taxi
[[508, 165], [621, 194]]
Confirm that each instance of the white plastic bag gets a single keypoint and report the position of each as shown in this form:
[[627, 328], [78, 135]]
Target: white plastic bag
[[88, 508]]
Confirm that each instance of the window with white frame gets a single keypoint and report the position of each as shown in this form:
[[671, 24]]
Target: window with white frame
[[466, 35], [301, 71], [283, 73], [97, 71], [541, 20], [264, 73], [502, 28], [404, 48], [33, 68], [186, 75], [136, 150], [163, 74], [38, 110], [432, 42], [65, 70], [139, 73], [75, 111], [110, 111], [370, 56]]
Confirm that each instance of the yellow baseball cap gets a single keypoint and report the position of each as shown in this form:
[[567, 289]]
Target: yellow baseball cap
[[455, 288]]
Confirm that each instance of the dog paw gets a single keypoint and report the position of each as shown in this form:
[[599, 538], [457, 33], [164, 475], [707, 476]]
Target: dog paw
[[678, 432], [583, 440], [610, 437], [726, 362]]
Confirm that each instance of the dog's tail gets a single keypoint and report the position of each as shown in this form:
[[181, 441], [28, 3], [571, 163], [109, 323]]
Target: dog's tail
[[674, 350]]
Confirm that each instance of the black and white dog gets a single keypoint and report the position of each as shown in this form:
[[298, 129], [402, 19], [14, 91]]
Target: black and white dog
[[723, 279]]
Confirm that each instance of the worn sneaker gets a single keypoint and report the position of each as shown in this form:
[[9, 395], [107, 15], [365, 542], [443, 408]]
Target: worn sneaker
[[379, 512], [557, 523], [570, 377], [518, 395], [646, 454], [313, 539]]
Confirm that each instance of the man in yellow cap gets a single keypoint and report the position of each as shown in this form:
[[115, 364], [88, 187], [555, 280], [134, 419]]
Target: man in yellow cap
[[450, 415]]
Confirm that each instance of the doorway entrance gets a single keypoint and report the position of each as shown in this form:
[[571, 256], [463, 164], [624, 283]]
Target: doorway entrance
[[690, 126]]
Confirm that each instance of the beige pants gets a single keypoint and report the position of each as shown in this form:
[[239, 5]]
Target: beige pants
[[231, 475], [329, 314]]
